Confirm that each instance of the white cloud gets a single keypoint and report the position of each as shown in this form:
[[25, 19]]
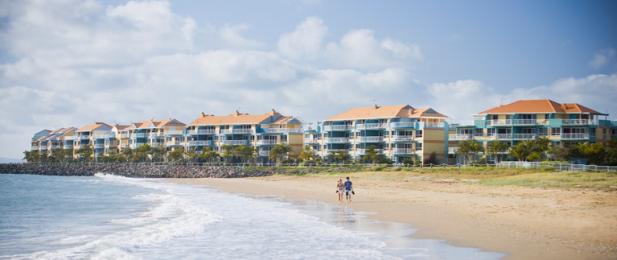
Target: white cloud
[[461, 99], [361, 49], [602, 58], [305, 42], [232, 35]]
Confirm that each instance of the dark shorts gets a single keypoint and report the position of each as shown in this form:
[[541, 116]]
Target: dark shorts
[[347, 192]]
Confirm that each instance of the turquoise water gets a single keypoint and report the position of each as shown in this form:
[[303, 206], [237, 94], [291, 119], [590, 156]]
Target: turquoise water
[[110, 217]]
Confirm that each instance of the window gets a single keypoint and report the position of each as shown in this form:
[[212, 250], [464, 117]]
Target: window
[[418, 133], [555, 131], [418, 146]]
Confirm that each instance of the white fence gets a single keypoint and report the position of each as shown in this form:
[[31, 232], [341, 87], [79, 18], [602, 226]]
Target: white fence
[[559, 166]]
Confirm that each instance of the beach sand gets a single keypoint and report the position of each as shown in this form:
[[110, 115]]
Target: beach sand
[[524, 223]]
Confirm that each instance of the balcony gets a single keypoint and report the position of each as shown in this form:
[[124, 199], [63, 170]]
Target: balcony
[[234, 142], [202, 132], [99, 146], [84, 137], [402, 151], [432, 125], [140, 135], [574, 136], [460, 137], [43, 147], [402, 138], [336, 127], [503, 136], [34, 147], [173, 132], [402, 124], [337, 140], [266, 142], [362, 151], [282, 130], [243, 131], [370, 126], [524, 136], [311, 141], [577, 122], [69, 138], [174, 143], [200, 143], [68, 146], [264, 153], [369, 139], [452, 150], [56, 146], [515, 122]]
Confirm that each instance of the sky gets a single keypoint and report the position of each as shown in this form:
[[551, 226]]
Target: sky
[[70, 63]]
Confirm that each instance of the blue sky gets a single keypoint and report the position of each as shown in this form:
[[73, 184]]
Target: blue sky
[[70, 63]]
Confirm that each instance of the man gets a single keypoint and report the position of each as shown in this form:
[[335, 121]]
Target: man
[[348, 189]]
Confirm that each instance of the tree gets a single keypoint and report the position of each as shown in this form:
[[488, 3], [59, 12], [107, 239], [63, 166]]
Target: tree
[[245, 153], [468, 148], [278, 153], [141, 153], [593, 153], [560, 152], [191, 155], [496, 148], [86, 154], [339, 157], [175, 155], [610, 156], [370, 155], [156, 154], [308, 155], [531, 150], [208, 155], [32, 156], [57, 155]]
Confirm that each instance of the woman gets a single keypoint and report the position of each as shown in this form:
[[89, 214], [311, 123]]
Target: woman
[[340, 188]]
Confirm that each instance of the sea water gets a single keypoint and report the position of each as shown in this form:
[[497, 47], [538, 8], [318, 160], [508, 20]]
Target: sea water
[[111, 217]]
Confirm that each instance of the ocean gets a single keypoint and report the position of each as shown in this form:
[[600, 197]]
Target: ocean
[[111, 217]]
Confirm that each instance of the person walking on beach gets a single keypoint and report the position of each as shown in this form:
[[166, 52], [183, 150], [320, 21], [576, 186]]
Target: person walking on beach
[[340, 188], [348, 189]]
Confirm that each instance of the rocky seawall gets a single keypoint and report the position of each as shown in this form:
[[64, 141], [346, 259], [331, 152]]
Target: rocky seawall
[[136, 170]]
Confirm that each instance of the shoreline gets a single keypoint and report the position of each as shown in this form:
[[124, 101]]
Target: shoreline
[[522, 223]]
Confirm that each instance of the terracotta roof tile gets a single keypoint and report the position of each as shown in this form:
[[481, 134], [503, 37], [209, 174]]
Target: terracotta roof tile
[[236, 118], [384, 112], [539, 106], [92, 127]]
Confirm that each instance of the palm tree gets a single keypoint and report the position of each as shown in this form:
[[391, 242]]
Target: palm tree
[[469, 148], [307, 154], [370, 155], [278, 153], [496, 148], [86, 154], [208, 155], [245, 153], [175, 155]]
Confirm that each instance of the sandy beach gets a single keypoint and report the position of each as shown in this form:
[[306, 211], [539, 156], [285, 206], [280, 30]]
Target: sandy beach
[[524, 223]]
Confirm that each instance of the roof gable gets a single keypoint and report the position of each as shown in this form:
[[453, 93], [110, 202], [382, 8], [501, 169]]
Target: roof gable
[[539, 106]]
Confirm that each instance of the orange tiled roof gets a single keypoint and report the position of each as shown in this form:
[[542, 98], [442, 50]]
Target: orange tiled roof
[[236, 118], [92, 127], [379, 112], [540, 106]]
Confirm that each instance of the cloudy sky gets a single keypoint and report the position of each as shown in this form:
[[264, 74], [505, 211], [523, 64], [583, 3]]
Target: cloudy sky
[[69, 63]]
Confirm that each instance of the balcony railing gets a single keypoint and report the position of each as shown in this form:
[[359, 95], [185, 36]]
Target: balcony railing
[[504, 136], [362, 151], [243, 131], [266, 142], [402, 138], [69, 138], [99, 146], [432, 125], [140, 135], [368, 126], [336, 127], [282, 130], [507, 122], [84, 137], [524, 136], [264, 153], [174, 143], [311, 141], [370, 139], [337, 140], [201, 132], [402, 151], [234, 142], [574, 136], [68, 146], [577, 122], [173, 132], [200, 143], [459, 137], [402, 124]]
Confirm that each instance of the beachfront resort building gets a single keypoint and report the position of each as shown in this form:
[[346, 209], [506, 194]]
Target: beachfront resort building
[[261, 131], [92, 136], [163, 134], [529, 119], [47, 141], [400, 132]]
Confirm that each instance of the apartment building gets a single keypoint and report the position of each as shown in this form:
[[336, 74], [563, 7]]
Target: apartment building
[[163, 134], [529, 119], [35, 143], [92, 136], [400, 132], [121, 134], [259, 131], [48, 141]]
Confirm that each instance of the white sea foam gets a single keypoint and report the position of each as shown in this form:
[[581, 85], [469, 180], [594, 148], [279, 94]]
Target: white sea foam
[[170, 217]]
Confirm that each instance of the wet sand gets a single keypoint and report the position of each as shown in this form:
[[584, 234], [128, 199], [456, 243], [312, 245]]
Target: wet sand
[[523, 223]]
